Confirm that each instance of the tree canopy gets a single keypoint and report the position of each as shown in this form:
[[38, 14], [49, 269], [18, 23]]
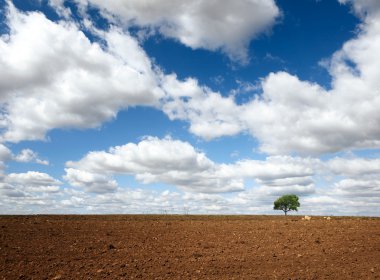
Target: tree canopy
[[287, 203]]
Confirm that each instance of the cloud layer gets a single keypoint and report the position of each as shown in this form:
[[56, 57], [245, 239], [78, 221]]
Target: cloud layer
[[345, 185]]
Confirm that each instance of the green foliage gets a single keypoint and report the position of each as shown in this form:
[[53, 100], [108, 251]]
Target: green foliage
[[287, 203]]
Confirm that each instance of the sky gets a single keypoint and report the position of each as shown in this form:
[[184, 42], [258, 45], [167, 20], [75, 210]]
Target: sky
[[189, 107]]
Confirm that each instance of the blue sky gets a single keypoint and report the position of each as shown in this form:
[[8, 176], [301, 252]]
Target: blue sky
[[200, 107]]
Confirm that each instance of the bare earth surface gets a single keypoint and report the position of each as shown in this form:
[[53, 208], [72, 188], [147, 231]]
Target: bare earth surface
[[188, 247]]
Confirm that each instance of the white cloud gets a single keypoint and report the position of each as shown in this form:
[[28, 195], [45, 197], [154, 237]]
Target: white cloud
[[30, 192], [282, 118], [278, 174], [35, 192], [48, 83], [210, 115], [7, 190], [126, 200], [276, 167], [154, 160], [290, 116], [359, 181], [300, 190], [289, 181], [303, 117], [364, 7], [355, 167], [209, 24], [91, 182], [294, 116], [32, 181], [27, 155], [359, 188], [353, 190], [360, 200], [151, 153], [5, 153], [60, 8], [177, 163]]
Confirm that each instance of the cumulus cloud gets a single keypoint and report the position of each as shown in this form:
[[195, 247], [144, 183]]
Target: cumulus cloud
[[91, 182], [32, 181], [151, 153], [359, 181], [304, 117], [357, 187], [88, 83], [178, 163], [351, 194], [127, 200], [27, 155], [30, 192], [354, 167], [276, 167], [46, 82], [289, 116], [224, 25], [278, 174], [353, 190], [5, 153], [154, 160], [210, 114], [364, 7], [295, 116]]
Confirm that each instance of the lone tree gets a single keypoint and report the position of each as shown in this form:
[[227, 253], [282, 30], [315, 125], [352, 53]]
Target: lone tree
[[287, 203]]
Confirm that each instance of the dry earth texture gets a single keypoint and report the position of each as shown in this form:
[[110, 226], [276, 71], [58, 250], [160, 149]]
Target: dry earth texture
[[188, 247]]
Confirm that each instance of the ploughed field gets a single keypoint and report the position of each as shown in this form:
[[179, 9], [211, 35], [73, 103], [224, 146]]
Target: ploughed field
[[188, 247]]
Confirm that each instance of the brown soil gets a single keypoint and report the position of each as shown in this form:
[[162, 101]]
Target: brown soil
[[188, 247]]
